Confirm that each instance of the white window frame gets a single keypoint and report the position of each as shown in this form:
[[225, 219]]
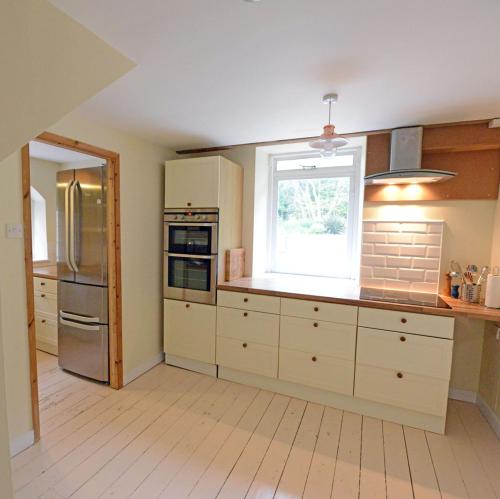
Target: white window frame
[[354, 174], [39, 239]]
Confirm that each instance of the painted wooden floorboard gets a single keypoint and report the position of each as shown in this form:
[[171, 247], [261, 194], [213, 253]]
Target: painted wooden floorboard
[[173, 433]]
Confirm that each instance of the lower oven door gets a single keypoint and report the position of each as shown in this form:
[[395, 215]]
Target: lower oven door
[[190, 278]]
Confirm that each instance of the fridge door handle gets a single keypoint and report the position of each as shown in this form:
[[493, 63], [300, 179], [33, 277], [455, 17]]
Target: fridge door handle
[[79, 318], [73, 228], [67, 224], [85, 327]]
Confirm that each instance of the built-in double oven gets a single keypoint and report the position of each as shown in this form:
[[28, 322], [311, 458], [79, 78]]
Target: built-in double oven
[[190, 254]]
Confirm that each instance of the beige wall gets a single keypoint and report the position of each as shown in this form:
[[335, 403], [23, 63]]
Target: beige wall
[[56, 73], [5, 476], [13, 302], [43, 179], [141, 218]]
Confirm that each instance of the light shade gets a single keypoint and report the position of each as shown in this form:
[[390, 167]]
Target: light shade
[[328, 142]]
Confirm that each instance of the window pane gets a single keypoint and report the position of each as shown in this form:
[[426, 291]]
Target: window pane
[[312, 163], [311, 232], [38, 226]]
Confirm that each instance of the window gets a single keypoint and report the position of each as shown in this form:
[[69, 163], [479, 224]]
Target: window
[[314, 213], [38, 226]]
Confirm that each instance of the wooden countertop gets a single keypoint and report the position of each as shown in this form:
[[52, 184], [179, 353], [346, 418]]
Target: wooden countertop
[[47, 272], [347, 292]]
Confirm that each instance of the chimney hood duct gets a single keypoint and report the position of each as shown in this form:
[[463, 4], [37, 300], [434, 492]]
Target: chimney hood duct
[[406, 157]]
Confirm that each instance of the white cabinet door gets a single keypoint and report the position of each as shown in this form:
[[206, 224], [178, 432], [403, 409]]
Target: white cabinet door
[[189, 330], [192, 183]]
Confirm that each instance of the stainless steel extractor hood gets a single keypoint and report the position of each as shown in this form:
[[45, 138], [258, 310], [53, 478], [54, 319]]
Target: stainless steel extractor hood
[[406, 157]]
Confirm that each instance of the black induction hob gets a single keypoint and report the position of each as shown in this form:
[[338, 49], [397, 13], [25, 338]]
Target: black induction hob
[[403, 297]]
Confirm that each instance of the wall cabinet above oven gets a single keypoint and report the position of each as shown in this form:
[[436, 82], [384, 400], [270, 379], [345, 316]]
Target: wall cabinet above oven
[[201, 182]]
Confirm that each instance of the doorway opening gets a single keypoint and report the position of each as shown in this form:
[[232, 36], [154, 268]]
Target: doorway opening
[[73, 270]]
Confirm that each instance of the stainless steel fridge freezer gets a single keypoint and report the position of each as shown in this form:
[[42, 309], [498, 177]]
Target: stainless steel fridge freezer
[[82, 272]]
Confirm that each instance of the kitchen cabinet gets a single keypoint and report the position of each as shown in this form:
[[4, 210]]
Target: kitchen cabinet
[[383, 363], [189, 330], [46, 314], [192, 183]]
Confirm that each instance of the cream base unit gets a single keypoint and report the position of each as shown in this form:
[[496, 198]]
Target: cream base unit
[[323, 355], [189, 333], [46, 314]]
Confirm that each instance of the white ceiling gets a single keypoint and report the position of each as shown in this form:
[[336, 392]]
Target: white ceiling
[[216, 72], [48, 152]]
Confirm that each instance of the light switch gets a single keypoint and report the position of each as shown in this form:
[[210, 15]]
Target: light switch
[[14, 231]]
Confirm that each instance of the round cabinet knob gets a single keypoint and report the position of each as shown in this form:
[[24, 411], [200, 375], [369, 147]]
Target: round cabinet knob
[[42, 295], [43, 321], [400, 375], [187, 305], [245, 314], [42, 284], [245, 300], [314, 359], [315, 324], [316, 309], [404, 320], [244, 345], [189, 204], [402, 338]]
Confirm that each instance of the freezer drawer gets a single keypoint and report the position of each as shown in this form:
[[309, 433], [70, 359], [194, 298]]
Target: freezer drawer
[[84, 300], [83, 349]]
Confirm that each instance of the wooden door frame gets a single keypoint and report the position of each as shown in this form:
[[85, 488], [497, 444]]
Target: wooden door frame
[[114, 261]]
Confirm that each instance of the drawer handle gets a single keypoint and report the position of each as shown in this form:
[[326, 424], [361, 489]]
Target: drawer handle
[[245, 314], [315, 324], [402, 338], [244, 345], [316, 309], [42, 284], [404, 321], [314, 359], [245, 300], [43, 321], [187, 305], [400, 375], [42, 296], [189, 204]]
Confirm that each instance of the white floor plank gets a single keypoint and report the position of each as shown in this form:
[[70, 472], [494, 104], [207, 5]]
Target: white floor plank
[[243, 473], [293, 479], [372, 475], [267, 478], [423, 477], [347, 469]]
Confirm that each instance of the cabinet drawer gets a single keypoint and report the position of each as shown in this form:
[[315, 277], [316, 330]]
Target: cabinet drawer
[[345, 314], [409, 391], [249, 301], [46, 302], [318, 371], [406, 322], [328, 338], [46, 334], [247, 356], [246, 325], [402, 351], [45, 285], [189, 330]]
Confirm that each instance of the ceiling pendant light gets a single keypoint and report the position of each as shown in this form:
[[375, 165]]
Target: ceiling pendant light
[[329, 141]]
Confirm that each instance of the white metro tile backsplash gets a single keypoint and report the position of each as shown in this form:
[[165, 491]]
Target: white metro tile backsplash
[[401, 255]]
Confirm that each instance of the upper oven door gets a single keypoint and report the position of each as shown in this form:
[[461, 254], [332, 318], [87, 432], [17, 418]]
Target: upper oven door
[[191, 238]]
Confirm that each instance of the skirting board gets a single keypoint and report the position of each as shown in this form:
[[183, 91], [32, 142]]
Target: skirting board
[[140, 370], [489, 415], [463, 395], [21, 443], [191, 365], [415, 419]]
